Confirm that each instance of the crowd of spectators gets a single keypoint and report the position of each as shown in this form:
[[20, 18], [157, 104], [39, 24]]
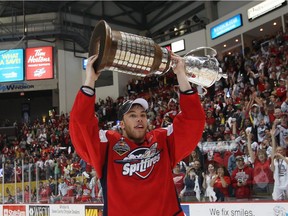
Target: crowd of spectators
[[244, 115]]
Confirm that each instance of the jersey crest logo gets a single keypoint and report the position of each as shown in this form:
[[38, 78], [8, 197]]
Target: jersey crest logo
[[140, 161], [121, 147]]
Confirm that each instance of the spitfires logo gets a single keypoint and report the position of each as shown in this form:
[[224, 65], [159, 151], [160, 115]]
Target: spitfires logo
[[140, 161]]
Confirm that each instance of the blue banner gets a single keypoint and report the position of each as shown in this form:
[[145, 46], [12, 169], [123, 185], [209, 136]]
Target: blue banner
[[11, 65], [226, 26]]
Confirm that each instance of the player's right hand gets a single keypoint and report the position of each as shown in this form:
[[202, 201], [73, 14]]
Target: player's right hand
[[91, 74]]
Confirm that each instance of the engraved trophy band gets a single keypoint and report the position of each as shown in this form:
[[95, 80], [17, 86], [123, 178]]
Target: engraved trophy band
[[127, 53]]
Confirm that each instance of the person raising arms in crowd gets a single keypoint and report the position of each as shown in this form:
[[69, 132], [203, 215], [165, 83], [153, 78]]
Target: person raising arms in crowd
[[221, 183], [262, 174], [135, 166], [279, 166], [191, 191]]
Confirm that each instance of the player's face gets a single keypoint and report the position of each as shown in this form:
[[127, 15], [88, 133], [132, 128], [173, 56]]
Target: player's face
[[135, 124]]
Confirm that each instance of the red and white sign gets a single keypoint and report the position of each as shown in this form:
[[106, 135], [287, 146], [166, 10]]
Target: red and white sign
[[39, 63], [11, 210]]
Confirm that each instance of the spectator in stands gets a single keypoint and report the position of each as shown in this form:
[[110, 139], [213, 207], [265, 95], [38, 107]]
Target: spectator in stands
[[221, 183], [28, 196], [167, 120], [199, 170], [69, 171], [8, 171], [262, 174], [52, 185], [232, 161], [172, 108], [178, 178], [23, 144], [44, 193], [49, 166], [82, 165], [241, 179], [42, 137], [282, 129], [95, 187], [10, 199], [30, 138], [62, 191], [284, 105], [183, 166], [277, 114], [18, 196], [265, 145], [86, 191], [261, 128], [17, 172], [274, 103], [279, 166], [257, 115], [281, 90], [79, 192], [57, 168], [208, 176], [195, 155], [210, 120], [191, 191], [158, 121], [71, 190]]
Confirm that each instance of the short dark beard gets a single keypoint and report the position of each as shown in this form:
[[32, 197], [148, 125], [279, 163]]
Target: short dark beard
[[135, 140]]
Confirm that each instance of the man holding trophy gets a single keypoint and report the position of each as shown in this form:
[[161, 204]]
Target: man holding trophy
[[134, 165]]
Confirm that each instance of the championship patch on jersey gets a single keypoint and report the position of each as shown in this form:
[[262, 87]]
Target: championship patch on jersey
[[121, 147], [140, 161]]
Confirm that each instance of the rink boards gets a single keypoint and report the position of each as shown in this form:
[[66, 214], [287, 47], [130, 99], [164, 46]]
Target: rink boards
[[207, 209]]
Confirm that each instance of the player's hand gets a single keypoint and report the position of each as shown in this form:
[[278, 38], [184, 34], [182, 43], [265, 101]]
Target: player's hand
[[91, 74], [177, 64]]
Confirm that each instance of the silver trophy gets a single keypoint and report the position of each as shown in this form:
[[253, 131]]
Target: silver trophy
[[202, 67], [141, 56]]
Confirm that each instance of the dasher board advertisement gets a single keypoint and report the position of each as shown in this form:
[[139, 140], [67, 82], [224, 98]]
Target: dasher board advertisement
[[39, 63], [11, 210]]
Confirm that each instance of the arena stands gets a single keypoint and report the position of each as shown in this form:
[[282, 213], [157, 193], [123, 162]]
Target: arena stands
[[40, 165]]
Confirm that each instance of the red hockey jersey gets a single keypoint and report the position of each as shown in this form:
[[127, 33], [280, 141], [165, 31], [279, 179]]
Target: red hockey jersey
[[137, 179]]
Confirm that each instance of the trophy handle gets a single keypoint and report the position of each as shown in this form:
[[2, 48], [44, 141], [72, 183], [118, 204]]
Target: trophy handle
[[204, 91]]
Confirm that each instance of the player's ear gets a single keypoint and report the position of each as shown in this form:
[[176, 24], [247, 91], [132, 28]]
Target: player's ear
[[122, 125]]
